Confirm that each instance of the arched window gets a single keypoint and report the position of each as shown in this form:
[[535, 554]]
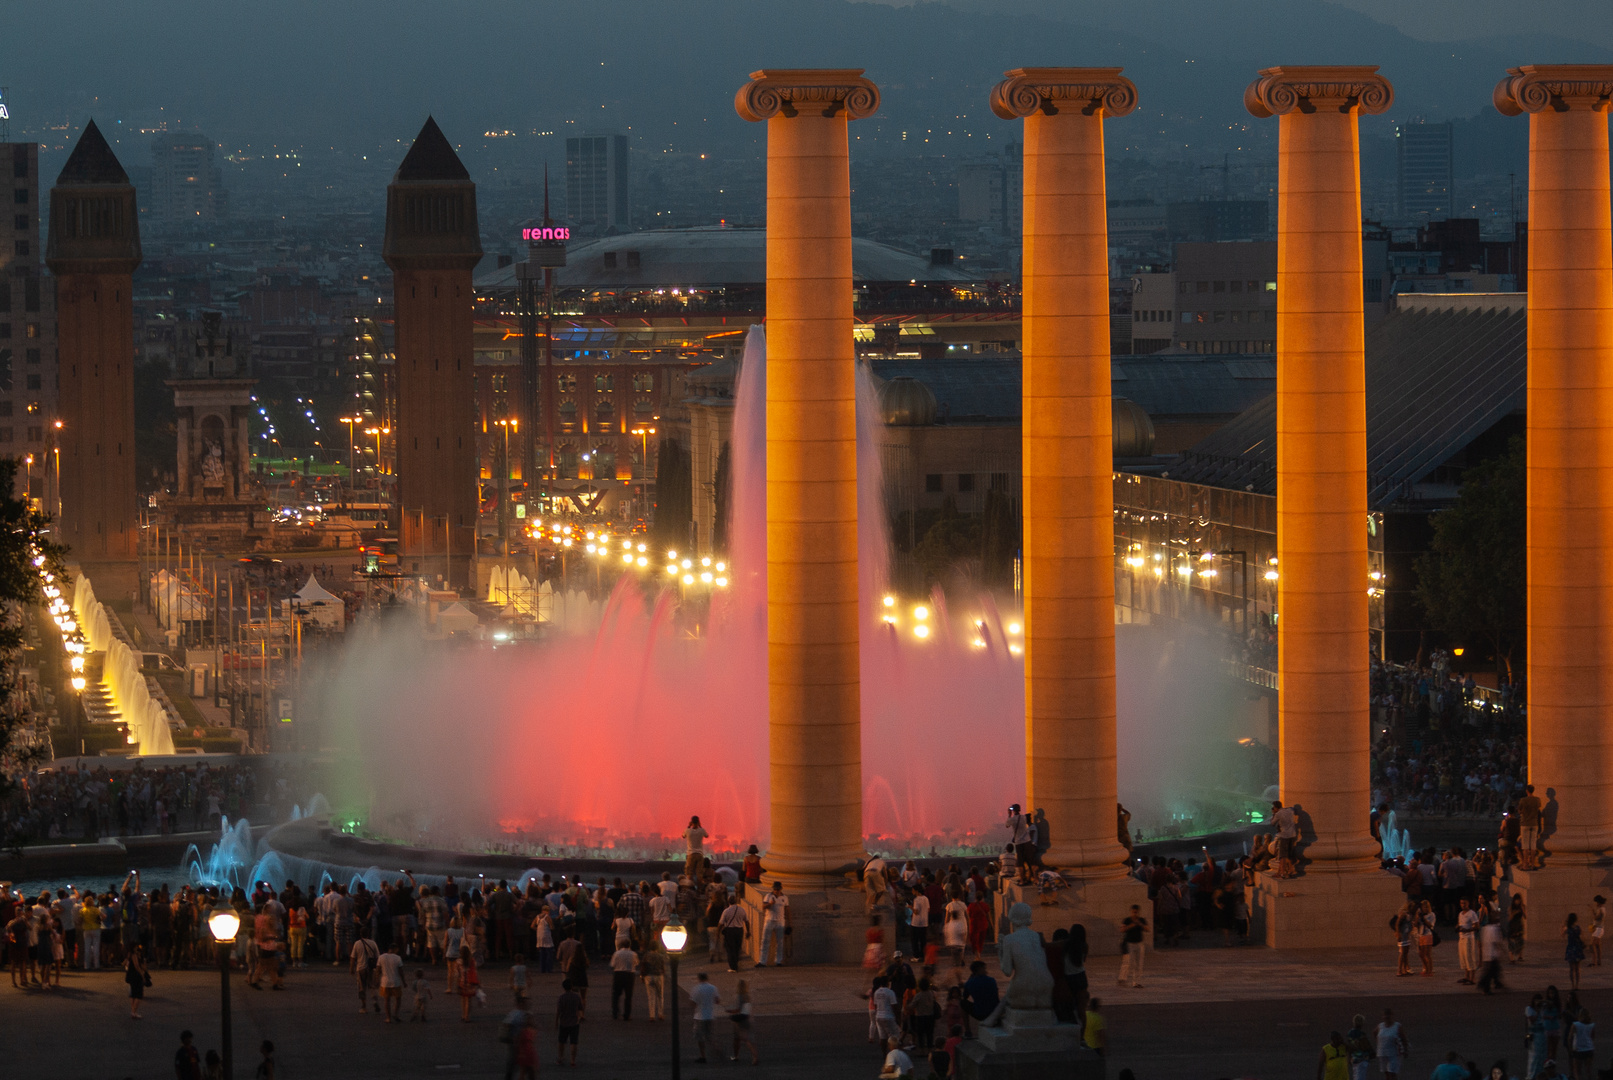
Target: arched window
[[643, 382], [566, 461], [568, 415], [566, 383], [604, 461], [604, 416], [604, 383], [643, 408]]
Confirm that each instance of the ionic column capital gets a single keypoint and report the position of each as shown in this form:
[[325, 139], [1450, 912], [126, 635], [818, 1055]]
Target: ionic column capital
[[1559, 87], [1046, 90], [1282, 90], [790, 91]]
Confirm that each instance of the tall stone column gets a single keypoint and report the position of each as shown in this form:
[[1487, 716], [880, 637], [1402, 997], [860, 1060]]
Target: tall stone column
[[432, 245], [1068, 459], [814, 724], [1324, 713], [1570, 473], [93, 249]]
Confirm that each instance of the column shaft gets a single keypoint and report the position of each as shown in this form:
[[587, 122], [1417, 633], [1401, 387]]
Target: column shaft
[[1324, 712], [1570, 472], [814, 723], [1322, 647], [1068, 490]]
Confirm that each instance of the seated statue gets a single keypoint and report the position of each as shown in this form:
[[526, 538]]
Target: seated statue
[[1024, 960]]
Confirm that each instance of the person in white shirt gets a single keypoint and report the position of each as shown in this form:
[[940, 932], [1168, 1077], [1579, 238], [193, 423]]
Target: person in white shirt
[[661, 908], [624, 926], [775, 923], [884, 1002], [623, 973], [391, 982], [734, 928], [919, 928], [1467, 942], [897, 1063], [696, 835], [955, 930]]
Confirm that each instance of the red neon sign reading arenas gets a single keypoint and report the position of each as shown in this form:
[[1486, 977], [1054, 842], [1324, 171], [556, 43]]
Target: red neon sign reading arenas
[[546, 234]]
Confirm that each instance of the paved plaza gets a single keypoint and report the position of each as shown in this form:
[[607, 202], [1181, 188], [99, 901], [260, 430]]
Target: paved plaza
[[1204, 1013]]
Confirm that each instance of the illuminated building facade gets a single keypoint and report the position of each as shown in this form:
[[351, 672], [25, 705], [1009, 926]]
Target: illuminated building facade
[[27, 329], [637, 319]]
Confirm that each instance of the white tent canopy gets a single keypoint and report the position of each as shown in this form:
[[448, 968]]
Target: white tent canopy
[[456, 618], [319, 606]]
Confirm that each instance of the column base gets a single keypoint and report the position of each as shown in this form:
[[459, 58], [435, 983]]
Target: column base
[[1346, 905], [827, 925], [1099, 903], [1029, 1045], [1564, 884]]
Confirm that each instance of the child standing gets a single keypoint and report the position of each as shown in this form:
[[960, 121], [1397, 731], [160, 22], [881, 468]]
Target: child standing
[[518, 977], [422, 995], [470, 983]]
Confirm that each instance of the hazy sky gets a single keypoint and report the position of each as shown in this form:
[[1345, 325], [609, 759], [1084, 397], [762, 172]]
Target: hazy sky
[[1463, 20], [358, 76]]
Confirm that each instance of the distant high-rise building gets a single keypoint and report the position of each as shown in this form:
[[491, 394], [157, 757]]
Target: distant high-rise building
[[980, 192], [596, 181], [1425, 181], [186, 183], [991, 190], [27, 328]]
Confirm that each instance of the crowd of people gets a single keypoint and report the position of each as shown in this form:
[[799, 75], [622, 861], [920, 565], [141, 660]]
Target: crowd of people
[[89, 803], [75, 801], [1434, 697], [1552, 1026], [1455, 772]]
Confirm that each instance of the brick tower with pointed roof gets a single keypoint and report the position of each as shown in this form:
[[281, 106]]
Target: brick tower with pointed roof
[[93, 248], [432, 244]]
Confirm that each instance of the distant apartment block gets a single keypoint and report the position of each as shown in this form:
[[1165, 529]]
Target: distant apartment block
[[1425, 184], [597, 182], [186, 182], [27, 326]]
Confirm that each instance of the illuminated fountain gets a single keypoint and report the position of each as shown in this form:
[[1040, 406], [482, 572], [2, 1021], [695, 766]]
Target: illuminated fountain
[[602, 741], [225, 864], [609, 740]]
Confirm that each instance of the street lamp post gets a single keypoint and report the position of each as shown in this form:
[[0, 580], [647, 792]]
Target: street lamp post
[[57, 450], [224, 922], [504, 480], [644, 434], [673, 935]]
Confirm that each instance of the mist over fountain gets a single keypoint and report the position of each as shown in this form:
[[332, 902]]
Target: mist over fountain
[[605, 742]]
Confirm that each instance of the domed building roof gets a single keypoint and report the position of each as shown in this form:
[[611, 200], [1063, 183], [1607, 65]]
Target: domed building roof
[[906, 402], [1133, 430], [709, 256]]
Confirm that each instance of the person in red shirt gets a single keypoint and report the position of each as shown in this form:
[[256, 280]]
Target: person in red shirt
[[979, 924]]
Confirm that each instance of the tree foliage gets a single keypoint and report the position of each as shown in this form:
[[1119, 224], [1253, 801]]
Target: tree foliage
[[22, 534], [674, 495], [156, 437], [1472, 580]]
